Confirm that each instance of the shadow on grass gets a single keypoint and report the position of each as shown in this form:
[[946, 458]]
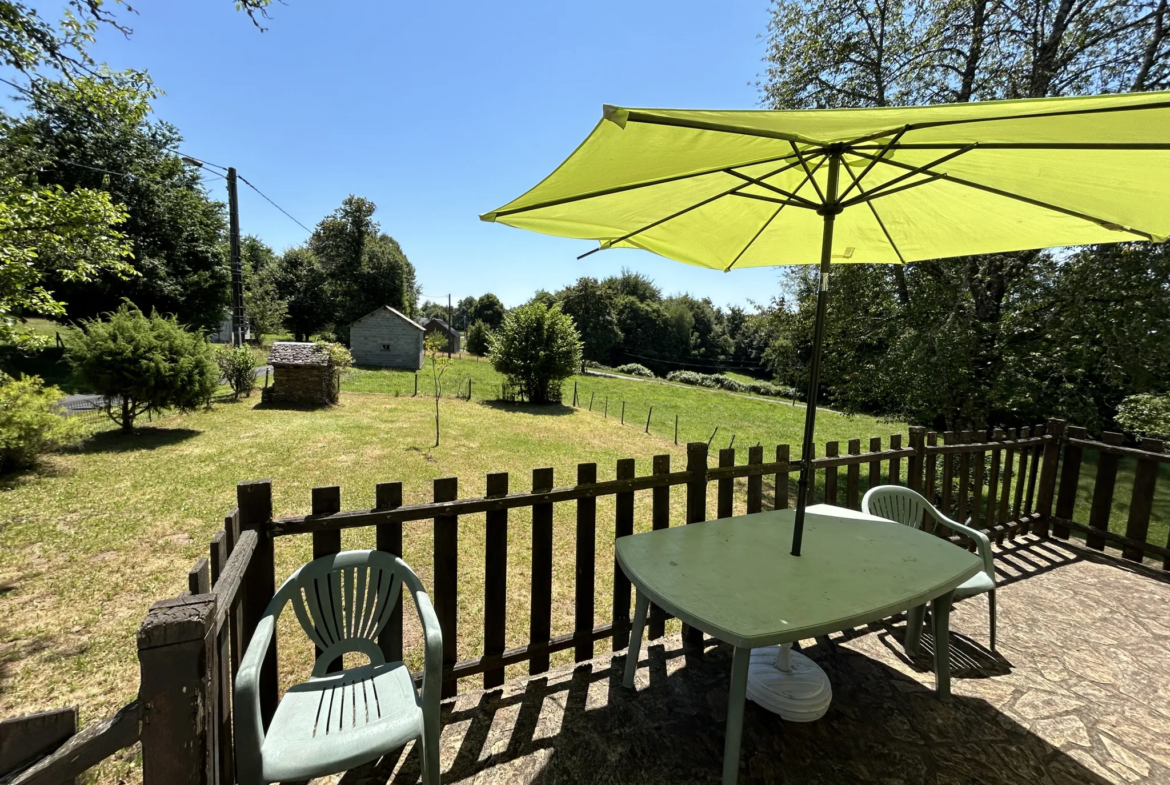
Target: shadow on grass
[[289, 407], [142, 438], [545, 410]]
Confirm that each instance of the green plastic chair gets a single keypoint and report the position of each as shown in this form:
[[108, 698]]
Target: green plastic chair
[[336, 721], [910, 508]]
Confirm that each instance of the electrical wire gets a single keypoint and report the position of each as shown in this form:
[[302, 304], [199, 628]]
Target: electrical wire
[[274, 204], [123, 174], [200, 160]]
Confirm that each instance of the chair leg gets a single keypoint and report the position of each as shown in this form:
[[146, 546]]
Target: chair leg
[[430, 752], [991, 616]]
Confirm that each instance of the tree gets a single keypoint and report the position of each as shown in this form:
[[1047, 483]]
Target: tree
[[489, 310], [436, 348], [365, 268], [263, 306], [632, 284], [591, 308], [537, 348], [648, 335], [142, 364], [300, 282], [463, 310], [478, 339], [82, 130]]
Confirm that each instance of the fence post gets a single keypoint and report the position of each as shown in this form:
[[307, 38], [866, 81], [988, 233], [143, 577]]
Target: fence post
[[648, 415], [676, 429], [1046, 492], [446, 580], [388, 538], [696, 507], [623, 412], [1145, 480], [915, 464], [254, 500], [179, 691], [415, 385]]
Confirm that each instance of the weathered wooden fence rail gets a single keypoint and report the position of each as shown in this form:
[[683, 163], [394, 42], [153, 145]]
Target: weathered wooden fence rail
[[1006, 483]]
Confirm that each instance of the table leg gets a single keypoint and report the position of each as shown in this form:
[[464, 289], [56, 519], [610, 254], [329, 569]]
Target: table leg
[[940, 613], [635, 650], [735, 701], [913, 640]]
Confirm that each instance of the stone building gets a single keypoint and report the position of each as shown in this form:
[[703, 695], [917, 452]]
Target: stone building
[[440, 326], [300, 375], [387, 339]]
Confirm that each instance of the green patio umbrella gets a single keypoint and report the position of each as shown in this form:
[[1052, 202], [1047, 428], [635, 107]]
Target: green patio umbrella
[[733, 189]]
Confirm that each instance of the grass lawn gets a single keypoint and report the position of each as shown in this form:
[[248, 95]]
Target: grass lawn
[[750, 419], [90, 540]]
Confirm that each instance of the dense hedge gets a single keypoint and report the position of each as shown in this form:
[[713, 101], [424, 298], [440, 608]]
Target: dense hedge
[[633, 369], [721, 382]]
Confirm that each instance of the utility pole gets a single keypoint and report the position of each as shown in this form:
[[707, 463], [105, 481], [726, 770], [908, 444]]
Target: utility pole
[[239, 327], [450, 326]]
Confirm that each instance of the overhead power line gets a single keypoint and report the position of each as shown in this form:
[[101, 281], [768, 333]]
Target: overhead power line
[[274, 204]]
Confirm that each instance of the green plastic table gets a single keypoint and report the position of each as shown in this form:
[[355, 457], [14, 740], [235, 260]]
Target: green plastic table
[[735, 580]]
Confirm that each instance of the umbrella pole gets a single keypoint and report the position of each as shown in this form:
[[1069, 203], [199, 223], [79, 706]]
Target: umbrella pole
[[829, 211]]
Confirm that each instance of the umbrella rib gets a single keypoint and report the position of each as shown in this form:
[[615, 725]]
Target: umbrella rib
[[878, 218], [1102, 222], [885, 187], [760, 197], [1038, 115], [634, 186], [791, 195], [649, 119], [768, 223], [884, 149], [684, 211], [804, 165], [1121, 146]]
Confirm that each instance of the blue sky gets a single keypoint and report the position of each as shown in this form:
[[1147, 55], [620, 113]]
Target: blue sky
[[438, 112]]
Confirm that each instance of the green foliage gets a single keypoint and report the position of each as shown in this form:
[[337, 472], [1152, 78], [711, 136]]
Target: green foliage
[[632, 284], [591, 307], [363, 268], [647, 331], [340, 361], [1145, 414], [176, 232], [478, 339], [633, 369], [489, 310], [143, 364], [722, 382], [300, 282], [237, 365], [537, 348], [264, 308], [31, 422], [435, 346]]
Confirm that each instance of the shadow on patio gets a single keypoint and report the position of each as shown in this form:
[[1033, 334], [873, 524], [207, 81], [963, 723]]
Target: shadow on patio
[[1077, 694]]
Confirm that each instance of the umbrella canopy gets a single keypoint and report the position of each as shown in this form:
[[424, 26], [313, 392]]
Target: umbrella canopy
[[730, 189]]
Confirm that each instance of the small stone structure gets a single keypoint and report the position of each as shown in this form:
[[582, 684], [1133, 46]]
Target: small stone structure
[[300, 375], [387, 339], [437, 325]]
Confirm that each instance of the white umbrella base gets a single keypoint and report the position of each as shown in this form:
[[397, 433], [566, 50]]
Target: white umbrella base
[[801, 693]]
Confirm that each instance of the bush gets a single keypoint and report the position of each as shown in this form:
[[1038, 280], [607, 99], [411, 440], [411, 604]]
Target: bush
[[633, 369], [479, 338], [237, 365], [142, 364], [721, 382], [340, 360], [31, 422], [537, 348], [1145, 415]]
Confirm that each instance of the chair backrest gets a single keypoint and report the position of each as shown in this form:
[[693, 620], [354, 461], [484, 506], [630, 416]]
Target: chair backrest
[[344, 600], [897, 504]]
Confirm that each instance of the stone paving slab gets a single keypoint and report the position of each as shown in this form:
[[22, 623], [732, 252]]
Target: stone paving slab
[[1078, 694]]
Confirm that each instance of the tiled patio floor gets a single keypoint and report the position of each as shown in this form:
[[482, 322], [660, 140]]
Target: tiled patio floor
[[1079, 695]]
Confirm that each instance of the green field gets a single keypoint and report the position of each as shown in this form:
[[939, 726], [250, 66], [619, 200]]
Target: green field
[[750, 419]]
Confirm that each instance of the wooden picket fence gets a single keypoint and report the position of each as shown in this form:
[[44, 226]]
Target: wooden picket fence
[[1005, 483]]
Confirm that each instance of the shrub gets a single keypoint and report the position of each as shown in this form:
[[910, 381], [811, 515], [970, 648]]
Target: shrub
[[479, 338], [31, 422], [237, 365], [340, 360], [633, 369], [1145, 414], [537, 348], [142, 364], [722, 382]]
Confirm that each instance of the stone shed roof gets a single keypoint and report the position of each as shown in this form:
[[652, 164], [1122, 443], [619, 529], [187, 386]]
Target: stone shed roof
[[440, 324], [296, 353], [399, 314]]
